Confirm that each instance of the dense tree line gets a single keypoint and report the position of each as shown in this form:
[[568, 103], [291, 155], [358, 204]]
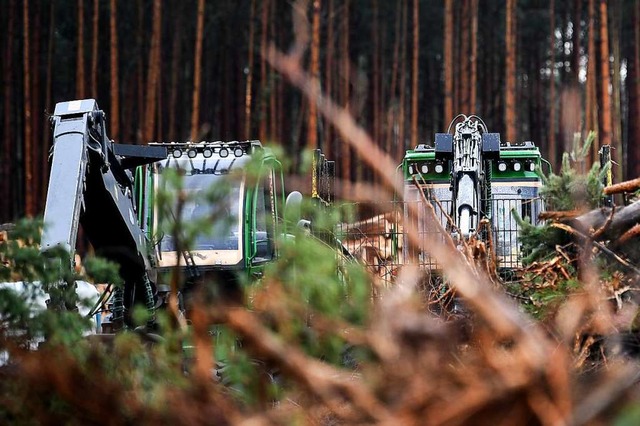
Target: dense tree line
[[174, 70]]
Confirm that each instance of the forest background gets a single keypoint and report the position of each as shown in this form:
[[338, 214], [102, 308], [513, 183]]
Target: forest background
[[174, 70]]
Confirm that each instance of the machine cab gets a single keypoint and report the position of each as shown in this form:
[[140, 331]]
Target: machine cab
[[229, 189]]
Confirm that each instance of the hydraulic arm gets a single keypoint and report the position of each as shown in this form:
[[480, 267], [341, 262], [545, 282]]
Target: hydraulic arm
[[90, 184]]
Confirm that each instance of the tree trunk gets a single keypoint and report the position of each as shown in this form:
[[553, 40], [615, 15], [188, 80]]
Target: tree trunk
[[36, 117], [605, 132], [510, 77], [346, 153], [197, 74], [46, 139], [312, 120], [552, 86], [393, 90], [175, 64], [80, 93], [402, 83], [328, 77], [272, 80], [247, 93], [636, 32], [141, 104], [158, 120], [463, 57], [473, 83], [457, 62], [28, 143], [154, 69], [622, 220], [114, 86], [376, 74], [575, 37], [262, 101], [616, 86], [95, 51], [448, 61], [414, 74], [8, 134], [591, 109]]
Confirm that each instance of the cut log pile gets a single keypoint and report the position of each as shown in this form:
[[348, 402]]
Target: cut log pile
[[372, 241], [614, 226]]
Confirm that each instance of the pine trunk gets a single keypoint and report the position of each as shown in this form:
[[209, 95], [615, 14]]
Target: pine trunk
[[393, 90], [36, 117], [248, 88], [312, 120], [272, 81], [457, 65], [8, 134], [376, 74], [46, 139], [113, 49], [575, 37], [473, 83], [153, 73], [346, 78], [464, 58], [197, 75], [28, 143], [633, 91], [262, 101], [552, 86], [448, 61], [141, 104], [403, 74], [80, 93], [510, 77], [591, 109], [636, 79], [605, 132], [414, 74], [328, 77], [95, 51], [175, 64], [616, 85]]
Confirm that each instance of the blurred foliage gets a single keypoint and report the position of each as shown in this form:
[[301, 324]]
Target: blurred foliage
[[573, 189], [551, 254], [310, 344], [568, 191], [310, 298]]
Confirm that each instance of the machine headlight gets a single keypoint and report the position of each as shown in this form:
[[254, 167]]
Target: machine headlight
[[192, 153], [424, 169], [177, 153], [207, 152], [439, 168], [532, 166], [502, 166], [517, 166], [411, 171], [224, 152], [238, 152]]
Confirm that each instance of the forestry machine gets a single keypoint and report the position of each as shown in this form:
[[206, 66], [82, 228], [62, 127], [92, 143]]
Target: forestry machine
[[470, 175], [114, 191]]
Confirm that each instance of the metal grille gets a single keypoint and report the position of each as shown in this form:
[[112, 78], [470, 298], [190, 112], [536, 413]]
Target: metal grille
[[381, 243], [376, 241]]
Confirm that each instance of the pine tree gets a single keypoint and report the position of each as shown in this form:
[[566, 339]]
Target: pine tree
[[197, 73]]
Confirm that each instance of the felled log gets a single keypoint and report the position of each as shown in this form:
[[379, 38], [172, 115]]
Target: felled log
[[560, 215], [380, 224], [622, 220], [620, 187]]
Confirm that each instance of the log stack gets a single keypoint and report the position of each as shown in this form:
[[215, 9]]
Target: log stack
[[375, 241]]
